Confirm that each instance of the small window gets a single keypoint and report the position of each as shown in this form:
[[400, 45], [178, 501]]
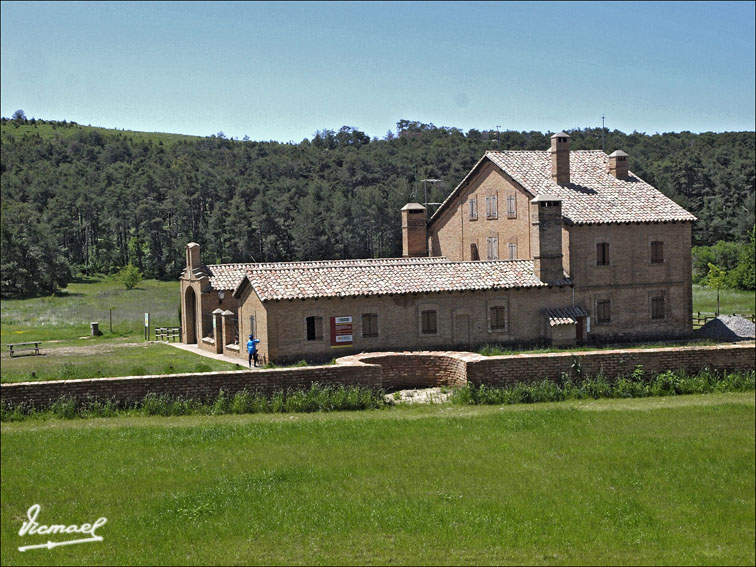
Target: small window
[[511, 206], [474, 252], [512, 249], [429, 322], [473, 204], [657, 307], [370, 325], [657, 252], [493, 248], [602, 254], [314, 328], [498, 318], [492, 207], [604, 311]]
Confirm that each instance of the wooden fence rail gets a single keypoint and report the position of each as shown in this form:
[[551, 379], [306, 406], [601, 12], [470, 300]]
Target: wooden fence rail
[[168, 334], [700, 318]]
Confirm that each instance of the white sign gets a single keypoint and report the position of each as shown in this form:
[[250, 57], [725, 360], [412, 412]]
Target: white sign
[[146, 319], [31, 527]]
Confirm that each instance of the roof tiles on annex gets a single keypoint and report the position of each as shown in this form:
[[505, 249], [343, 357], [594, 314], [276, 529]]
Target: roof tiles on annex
[[564, 315], [228, 276], [381, 277], [593, 196]]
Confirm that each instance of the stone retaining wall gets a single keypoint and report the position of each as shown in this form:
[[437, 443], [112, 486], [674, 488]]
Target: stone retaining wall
[[392, 371]]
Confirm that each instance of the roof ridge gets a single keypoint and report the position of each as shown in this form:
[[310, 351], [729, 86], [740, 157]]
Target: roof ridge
[[351, 263]]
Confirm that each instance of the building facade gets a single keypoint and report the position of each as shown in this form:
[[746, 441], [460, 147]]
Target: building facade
[[557, 246]]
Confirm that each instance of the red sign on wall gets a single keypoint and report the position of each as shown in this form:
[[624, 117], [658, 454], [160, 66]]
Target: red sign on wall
[[341, 332]]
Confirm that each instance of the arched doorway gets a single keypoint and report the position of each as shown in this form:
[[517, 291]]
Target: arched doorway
[[190, 316]]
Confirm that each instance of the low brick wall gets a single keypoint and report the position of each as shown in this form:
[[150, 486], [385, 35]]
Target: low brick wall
[[393, 371], [205, 386], [418, 369], [501, 370]]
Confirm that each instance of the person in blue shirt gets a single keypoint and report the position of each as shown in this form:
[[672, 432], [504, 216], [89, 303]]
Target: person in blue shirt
[[252, 349]]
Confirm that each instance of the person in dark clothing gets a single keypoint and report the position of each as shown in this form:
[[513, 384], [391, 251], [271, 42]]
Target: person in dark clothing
[[252, 349]]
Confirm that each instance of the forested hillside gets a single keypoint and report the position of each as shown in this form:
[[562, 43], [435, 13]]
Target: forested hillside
[[87, 200]]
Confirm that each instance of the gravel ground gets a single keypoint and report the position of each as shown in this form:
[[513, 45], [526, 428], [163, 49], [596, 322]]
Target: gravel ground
[[728, 327], [419, 396]]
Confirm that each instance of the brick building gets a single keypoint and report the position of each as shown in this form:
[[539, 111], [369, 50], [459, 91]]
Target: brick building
[[558, 246]]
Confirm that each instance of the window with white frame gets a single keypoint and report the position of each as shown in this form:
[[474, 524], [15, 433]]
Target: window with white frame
[[492, 207], [473, 208], [492, 243], [511, 206], [512, 249]]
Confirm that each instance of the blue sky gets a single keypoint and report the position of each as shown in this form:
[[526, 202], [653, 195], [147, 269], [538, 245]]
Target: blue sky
[[282, 70]]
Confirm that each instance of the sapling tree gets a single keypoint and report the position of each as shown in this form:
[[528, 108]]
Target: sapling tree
[[716, 279]]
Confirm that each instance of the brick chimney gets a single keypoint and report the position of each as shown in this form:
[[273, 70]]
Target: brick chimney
[[193, 256], [560, 158], [618, 164], [546, 237], [414, 231]]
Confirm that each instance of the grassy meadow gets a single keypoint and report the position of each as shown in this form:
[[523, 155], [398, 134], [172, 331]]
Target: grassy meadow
[[644, 481], [66, 316], [730, 300], [107, 360]]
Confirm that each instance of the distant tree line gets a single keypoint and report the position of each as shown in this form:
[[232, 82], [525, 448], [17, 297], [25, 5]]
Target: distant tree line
[[86, 200]]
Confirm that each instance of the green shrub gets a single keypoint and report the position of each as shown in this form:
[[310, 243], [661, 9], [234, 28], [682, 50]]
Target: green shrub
[[637, 385], [129, 276]]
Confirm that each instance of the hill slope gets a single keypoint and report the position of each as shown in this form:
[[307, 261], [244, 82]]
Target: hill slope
[[96, 199]]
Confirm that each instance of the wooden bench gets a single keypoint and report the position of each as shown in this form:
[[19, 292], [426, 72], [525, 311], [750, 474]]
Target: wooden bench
[[34, 345]]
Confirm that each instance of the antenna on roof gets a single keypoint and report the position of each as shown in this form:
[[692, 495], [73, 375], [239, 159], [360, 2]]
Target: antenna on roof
[[603, 148], [425, 191]]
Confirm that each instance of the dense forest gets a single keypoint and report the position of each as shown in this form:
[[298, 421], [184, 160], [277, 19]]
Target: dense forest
[[83, 200]]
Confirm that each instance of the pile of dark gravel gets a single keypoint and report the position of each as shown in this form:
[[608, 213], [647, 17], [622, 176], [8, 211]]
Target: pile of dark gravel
[[728, 327]]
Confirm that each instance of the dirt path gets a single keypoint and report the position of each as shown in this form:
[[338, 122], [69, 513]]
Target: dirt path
[[101, 348]]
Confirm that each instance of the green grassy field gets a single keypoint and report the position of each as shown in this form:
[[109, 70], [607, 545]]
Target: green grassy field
[[66, 316], [651, 481], [107, 360], [731, 300]]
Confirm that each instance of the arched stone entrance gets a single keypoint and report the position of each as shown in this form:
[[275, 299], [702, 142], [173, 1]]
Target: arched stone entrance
[[190, 316]]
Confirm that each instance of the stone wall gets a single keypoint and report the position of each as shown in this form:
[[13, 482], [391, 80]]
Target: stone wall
[[392, 371]]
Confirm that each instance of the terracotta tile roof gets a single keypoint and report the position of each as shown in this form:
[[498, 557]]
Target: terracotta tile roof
[[564, 315], [593, 195], [228, 276], [387, 277]]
